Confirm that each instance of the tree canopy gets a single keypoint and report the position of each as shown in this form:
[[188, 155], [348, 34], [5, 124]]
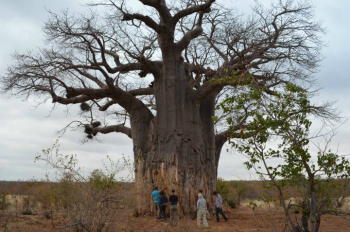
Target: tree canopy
[[104, 60]]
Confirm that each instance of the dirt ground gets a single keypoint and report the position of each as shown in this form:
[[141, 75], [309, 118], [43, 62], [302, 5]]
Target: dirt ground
[[241, 219]]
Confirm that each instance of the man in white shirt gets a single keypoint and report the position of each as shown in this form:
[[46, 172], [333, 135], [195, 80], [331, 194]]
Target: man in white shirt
[[201, 213], [218, 206]]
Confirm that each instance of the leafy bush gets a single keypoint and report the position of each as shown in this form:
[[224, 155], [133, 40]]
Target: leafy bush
[[3, 203], [240, 189], [232, 192], [224, 188]]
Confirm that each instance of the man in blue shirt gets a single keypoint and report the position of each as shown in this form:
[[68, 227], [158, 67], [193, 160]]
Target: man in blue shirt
[[218, 206], [155, 199]]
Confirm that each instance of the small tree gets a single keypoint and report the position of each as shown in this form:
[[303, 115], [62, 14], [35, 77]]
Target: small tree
[[3, 203], [225, 190], [282, 134], [241, 190]]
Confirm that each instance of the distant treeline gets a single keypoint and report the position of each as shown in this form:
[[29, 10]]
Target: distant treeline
[[248, 189], [26, 187]]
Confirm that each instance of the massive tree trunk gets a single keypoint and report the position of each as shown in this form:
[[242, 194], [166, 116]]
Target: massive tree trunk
[[179, 150]]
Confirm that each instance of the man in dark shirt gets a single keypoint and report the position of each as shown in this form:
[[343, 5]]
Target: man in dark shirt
[[173, 208]]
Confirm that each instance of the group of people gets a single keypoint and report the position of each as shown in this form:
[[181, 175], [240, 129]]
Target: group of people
[[160, 201], [202, 209]]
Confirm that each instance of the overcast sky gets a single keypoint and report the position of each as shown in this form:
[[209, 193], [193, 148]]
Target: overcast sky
[[26, 130]]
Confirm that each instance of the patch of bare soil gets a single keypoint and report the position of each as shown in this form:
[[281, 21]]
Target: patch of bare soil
[[241, 219]]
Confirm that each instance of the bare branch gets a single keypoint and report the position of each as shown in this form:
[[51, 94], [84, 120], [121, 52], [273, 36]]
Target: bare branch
[[145, 19], [161, 7], [129, 17], [205, 8], [197, 31]]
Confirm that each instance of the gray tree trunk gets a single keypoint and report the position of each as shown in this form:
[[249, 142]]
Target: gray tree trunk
[[178, 151]]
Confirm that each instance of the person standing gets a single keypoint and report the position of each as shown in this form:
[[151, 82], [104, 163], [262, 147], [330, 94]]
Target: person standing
[[162, 205], [155, 199], [218, 206], [206, 211], [173, 208], [201, 211]]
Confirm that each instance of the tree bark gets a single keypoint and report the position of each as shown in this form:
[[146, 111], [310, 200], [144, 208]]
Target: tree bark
[[313, 210], [179, 150]]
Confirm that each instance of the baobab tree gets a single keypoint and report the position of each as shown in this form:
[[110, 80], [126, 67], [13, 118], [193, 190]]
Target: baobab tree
[[159, 68]]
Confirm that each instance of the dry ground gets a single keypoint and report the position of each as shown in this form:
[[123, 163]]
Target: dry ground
[[241, 219]]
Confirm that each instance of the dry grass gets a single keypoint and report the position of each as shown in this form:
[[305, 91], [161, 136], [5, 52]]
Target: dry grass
[[265, 218], [241, 219]]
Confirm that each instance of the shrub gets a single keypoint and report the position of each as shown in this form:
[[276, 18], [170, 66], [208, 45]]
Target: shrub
[[85, 203], [224, 188], [3, 203]]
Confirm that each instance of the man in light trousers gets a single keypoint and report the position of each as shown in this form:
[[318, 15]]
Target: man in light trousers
[[201, 213]]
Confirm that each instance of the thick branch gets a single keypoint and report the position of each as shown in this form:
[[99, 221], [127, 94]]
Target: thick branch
[[198, 8], [186, 39], [145, 19], [161, 7], [224, 77], [123, 68], [142, 91], [107, 105], [192, 34], [115, 128]]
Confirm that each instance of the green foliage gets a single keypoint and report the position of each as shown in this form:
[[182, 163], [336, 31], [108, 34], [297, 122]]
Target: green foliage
[[252, 205], [225, 190], [3, 203], [241, 189], [232, 192], [279, 130], [286, 120], [102, 180]]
